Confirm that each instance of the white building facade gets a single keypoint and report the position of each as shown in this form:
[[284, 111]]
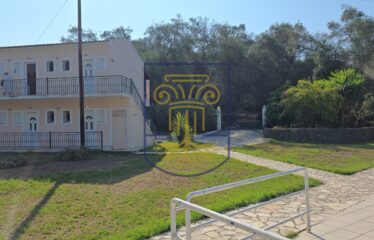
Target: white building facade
[[39, 96]]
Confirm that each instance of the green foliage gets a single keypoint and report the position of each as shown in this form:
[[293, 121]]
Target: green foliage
[[309, 105], [187, 138], [126, 199], [322, 103], [336, 158], [355, 35], [13, 162], [73, 155], [351, 86], [260, 63], [181, 129]]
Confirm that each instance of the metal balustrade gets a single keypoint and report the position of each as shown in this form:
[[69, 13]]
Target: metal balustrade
[[187, 206], [178, 204], [68, 86], [49, 140]]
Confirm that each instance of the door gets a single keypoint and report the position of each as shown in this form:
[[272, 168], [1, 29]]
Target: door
[[89, 125], [31, 78], [89, 79], [119, 131], [30, 140], [31, 122]]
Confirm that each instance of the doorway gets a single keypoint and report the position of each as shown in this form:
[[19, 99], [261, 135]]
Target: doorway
[[31, 122], [31, 78], [119, 130], [89, 78]]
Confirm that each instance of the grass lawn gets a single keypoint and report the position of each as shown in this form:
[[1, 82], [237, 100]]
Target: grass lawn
[[168, 146], [336, 158], [117, 195]]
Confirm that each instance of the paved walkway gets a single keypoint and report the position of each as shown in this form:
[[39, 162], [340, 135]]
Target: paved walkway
[[237, 138], [355, 223], [336, 195]]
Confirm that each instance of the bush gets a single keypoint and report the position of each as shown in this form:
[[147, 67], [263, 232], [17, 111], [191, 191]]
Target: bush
[[13, 162], [72, 155], [337, 101], [310, 105]]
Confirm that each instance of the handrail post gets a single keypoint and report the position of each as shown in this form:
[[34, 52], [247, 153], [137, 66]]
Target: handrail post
[[50, 139], [101, 139], [173, 220], [47, 87], [188, 220], [307, 201]]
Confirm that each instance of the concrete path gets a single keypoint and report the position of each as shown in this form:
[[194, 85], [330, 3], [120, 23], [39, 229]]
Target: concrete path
[[336, 195], [237, 138], [355, 223]]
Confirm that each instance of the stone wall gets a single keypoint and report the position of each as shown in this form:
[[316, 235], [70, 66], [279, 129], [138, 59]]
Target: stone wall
[[321, 135]]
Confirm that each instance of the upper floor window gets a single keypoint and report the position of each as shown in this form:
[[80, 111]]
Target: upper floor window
[[17, 68], [3, 118], [65, 65], [100, 64], [50, 66], [2, 68]]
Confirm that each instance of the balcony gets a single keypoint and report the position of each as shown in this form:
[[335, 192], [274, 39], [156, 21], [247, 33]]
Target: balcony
[[69, 86]]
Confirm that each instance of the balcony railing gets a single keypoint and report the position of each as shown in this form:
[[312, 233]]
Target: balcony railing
[[69, 86], [49, 140], [65, 86]]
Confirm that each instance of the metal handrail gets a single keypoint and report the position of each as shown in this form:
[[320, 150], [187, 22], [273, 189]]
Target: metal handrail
[[246, 182], [66, 86], [178, 204], [49, 140]]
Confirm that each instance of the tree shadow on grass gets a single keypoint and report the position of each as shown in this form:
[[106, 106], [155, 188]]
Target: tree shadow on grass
[[31, 216], [130, 167]]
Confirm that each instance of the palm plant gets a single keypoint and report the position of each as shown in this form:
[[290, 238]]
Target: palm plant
[[181, 129]]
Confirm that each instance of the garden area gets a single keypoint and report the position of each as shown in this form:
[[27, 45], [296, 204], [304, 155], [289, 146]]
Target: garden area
[[119, 198], [335, 158]]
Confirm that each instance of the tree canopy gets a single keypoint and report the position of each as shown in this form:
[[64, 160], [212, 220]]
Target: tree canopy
[[262, 63]]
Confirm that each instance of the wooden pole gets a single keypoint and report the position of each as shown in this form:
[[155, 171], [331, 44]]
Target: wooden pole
[[81, 83]]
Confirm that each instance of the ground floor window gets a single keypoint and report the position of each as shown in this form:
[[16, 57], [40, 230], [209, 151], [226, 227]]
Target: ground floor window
[[17, 118], [66, 116], [50, 117], [3, 118]]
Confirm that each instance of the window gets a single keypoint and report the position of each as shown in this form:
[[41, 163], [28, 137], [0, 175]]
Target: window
[[2, 69], [17, 118], [100, 116], [50, 117], [65, 65], [3, 118], [66, 117], [17, 68], [50, 66], [100, 64]]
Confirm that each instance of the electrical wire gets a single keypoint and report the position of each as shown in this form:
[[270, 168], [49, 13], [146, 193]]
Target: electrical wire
[[50, 22]]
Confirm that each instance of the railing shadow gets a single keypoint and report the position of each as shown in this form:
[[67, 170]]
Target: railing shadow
[[29, 219]]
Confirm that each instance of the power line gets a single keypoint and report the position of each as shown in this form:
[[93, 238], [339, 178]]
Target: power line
[[50, 22]]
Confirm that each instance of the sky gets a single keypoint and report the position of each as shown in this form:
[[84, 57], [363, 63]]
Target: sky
[[24, 21]]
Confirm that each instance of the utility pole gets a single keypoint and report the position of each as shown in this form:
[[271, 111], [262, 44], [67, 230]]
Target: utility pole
[[81, 83]]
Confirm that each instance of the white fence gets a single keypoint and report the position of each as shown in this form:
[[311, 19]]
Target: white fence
[[178, 205]]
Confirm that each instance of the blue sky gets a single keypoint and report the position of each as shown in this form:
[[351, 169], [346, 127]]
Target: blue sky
[[23, 21]]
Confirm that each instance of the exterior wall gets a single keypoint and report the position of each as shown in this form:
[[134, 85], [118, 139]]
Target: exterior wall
[[127, 60], [120, 58], [41, 106]]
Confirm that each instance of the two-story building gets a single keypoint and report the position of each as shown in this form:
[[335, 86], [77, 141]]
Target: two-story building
[[39, 96]]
